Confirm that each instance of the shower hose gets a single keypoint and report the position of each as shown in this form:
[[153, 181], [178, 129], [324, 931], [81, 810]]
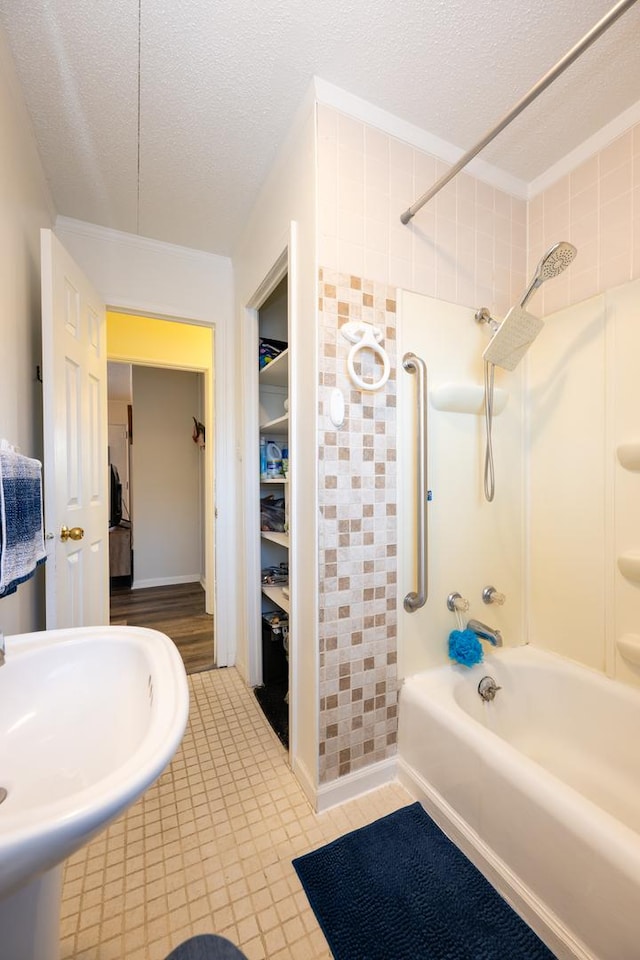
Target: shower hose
[[489, 472]]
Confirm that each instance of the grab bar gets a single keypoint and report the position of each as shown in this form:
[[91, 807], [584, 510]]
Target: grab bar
[[416, 599]]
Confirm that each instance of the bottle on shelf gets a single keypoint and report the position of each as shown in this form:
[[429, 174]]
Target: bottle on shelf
[[263, 458], [274, 461]]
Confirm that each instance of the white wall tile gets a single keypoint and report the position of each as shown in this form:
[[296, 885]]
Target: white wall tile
[[599, 218]]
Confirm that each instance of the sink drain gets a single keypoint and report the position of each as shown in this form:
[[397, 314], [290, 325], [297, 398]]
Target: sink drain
[[3, 794]]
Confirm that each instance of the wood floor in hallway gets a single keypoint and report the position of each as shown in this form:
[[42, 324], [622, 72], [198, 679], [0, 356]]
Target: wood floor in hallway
[[177, 610]]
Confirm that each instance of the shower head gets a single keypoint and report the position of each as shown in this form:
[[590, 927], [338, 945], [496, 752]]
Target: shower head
[[519, 328], [555, 260], [512, 339]]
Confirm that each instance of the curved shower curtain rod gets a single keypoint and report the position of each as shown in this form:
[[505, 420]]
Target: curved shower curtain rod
[[596, 31]]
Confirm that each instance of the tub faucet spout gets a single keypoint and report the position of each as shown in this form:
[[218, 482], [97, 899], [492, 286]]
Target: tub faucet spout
[[487, 633]]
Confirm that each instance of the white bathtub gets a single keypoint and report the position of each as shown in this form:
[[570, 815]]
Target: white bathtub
[[540, 788]]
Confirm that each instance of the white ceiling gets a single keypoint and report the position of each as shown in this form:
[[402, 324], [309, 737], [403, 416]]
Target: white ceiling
[[220, 82]]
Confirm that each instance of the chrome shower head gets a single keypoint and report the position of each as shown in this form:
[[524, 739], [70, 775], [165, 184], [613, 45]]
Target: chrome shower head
[[555, 260]]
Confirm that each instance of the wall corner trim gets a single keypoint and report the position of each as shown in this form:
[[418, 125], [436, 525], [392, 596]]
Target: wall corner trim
[[305, 780], [354, 784]]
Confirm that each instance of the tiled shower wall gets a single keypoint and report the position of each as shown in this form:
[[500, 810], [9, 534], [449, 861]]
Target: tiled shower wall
[[467, 246], [357, 535], [596, 207], [474, 245]]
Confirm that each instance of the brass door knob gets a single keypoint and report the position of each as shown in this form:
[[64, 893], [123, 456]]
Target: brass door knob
[[75, 533]]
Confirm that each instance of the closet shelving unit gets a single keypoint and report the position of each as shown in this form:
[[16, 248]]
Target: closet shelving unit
[[273, 382], [273, 420]]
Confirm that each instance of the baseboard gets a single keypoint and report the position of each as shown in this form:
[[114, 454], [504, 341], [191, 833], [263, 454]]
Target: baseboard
[[165, 581], [532, 910], [354, 784], [305, 780]]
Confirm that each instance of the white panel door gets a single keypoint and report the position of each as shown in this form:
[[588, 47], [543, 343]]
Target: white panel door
[[75, 442]]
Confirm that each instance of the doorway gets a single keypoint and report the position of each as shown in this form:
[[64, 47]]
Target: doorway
[[157, 568], [160, 399]]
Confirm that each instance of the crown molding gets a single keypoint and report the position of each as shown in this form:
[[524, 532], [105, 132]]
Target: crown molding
[[359, 109], [592, 145], [108, 235]]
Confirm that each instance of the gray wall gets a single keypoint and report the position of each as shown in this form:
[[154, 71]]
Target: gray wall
[[167, 471]]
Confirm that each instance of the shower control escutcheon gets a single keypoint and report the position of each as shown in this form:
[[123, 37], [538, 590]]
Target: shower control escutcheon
[[487, 688], [491, 595]]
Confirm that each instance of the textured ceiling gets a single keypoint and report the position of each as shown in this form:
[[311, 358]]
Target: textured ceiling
[[220, 81]]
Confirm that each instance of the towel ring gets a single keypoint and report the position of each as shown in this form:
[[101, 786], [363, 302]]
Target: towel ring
[[364, 336]]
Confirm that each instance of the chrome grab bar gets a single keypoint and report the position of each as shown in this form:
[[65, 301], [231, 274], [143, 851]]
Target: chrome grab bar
[[416, 599]]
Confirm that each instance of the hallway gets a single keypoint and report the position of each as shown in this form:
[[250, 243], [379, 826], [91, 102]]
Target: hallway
[[177, 610]]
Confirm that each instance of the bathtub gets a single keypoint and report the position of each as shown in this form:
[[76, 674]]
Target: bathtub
[[540, 788]]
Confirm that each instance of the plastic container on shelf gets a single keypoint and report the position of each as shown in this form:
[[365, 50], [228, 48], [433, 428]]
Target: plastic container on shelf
[[263, 458], [269, 349], [274, 460]]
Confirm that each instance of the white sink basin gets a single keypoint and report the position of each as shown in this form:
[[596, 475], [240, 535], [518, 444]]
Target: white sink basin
[[89, 718]]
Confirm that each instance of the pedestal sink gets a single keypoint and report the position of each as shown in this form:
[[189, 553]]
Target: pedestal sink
[[89, 718]]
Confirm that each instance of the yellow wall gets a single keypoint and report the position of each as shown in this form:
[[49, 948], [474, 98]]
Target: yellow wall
[[159, 343]]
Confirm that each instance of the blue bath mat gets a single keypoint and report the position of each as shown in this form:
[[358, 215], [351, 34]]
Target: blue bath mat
[[399, 889]]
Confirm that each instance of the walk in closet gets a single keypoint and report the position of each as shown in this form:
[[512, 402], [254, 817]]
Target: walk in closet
[[272, 359]]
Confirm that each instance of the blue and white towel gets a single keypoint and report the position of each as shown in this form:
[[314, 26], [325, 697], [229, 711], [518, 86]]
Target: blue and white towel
[[21, 525]]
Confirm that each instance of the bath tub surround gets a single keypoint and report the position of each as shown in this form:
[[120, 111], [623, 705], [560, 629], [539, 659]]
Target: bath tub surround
[[538, 787]]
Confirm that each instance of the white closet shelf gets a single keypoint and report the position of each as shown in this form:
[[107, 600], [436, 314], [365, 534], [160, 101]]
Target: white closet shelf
[[276, 428], [276, 373], [275, 594], [275, 480], [274, 537]]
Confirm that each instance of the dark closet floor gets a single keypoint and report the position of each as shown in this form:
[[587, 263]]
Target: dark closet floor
[[271, 698]]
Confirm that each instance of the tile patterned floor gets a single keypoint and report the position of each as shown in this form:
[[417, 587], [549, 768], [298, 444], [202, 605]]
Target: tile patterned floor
[[208, 848]]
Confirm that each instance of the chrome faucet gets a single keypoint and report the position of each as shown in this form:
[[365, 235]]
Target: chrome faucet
[[487, 633]]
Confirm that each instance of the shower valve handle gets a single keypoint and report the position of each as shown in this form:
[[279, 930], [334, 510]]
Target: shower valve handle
[[491, 595]]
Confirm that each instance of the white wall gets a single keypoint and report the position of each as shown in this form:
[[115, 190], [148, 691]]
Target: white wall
[[166, 478], [583, 398], [289, 194], [472, 543], [148, 277], [25, 207]]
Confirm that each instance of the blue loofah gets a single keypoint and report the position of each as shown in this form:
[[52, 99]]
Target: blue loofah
[[465, 648]]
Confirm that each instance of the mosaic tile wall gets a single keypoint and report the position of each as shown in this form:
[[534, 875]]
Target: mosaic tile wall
[[357, 536]]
